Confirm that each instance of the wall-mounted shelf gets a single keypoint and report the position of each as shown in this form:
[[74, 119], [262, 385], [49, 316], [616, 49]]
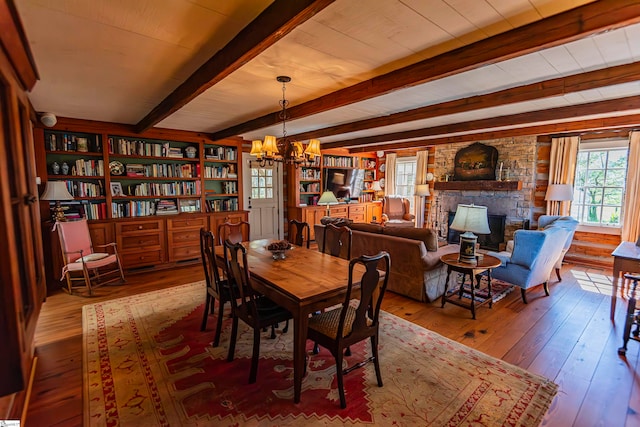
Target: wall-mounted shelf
[[478, 185]]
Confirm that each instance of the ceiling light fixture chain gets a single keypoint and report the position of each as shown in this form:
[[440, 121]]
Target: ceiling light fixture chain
[[268, 151]]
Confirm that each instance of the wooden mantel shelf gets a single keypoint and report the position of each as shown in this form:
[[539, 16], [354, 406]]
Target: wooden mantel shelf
[[478, 185]]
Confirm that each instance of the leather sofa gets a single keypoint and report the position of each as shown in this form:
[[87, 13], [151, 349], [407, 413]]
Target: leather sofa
[[416, 269]]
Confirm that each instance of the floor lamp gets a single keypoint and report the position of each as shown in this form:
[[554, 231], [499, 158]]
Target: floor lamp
[[422, 191], [558, 193]]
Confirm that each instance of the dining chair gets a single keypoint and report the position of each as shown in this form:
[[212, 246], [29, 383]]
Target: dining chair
[[254, 309], [217, 288], [81, 262], [356, 319], [297, 234], [234, 231], [337, 241]]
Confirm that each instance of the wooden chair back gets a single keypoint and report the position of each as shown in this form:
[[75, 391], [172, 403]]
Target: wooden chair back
[[337, 241], [299, 232], [236, 232]]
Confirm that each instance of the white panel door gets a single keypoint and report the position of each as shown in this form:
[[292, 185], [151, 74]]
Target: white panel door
[[263, 198]]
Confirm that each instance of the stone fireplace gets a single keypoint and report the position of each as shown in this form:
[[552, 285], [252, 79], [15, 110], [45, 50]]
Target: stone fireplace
[[512, 200]]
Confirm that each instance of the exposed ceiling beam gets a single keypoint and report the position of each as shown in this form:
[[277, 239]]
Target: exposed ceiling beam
[[560, 113], [565, 27], [549, 88], [606, 123], [276, 21]]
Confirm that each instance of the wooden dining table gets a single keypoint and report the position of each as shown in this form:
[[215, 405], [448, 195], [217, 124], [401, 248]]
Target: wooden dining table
[[304, 282]]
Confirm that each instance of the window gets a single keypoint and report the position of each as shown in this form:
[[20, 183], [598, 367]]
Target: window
[[406, 178], [261, 183], [600, 183]]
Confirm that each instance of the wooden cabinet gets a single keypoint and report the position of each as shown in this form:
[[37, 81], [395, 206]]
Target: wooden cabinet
[[374, 212], [357, 213], [184, 237], [221, 217], [141, 243], [22, 273]]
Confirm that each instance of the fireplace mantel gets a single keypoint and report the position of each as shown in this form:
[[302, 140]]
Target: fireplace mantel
[[478, 185]]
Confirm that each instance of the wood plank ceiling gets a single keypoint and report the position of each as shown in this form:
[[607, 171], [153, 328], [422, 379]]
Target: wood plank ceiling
[[393, 74]]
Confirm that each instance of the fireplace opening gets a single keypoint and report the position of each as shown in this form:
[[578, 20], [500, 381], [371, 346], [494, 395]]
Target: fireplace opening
[[487, 241]]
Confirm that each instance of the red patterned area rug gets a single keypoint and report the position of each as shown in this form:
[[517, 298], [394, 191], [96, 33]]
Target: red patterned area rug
[[146, 363]]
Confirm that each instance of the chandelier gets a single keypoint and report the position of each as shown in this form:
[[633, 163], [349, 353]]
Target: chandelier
[[268, 151]]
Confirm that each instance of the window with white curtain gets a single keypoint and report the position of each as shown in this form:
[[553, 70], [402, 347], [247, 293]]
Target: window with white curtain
[[406, 178], [598, 194]]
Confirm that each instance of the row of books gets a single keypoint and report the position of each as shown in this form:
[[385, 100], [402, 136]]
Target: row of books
[[85, 189], [164, 170], [164, 189], [310, 174], [84, 167], [219, 172], [313, 187], [77, 210], [133, 147], [133, 208], [340, 162], [221, 205], [220, 153], [65, 142], [166, 207]]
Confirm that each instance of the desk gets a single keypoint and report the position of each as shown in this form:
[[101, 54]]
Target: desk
[[486, 263], [303, 283], [626, 259]]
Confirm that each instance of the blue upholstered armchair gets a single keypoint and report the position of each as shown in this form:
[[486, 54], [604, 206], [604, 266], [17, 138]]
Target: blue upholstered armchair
[[535, 254], [566, 222]]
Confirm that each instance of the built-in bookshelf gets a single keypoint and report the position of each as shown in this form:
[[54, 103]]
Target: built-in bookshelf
[[220, 178], [147, 174], [77, 160]]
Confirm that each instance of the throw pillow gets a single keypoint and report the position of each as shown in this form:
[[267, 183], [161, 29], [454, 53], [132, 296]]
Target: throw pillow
[[369, 228], [92, 257], [338, 222]]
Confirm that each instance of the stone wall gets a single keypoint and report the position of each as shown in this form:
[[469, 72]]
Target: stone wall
[[518, 156]]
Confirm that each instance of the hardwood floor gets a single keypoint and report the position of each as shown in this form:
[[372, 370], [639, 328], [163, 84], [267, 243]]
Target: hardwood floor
[[567, 337]]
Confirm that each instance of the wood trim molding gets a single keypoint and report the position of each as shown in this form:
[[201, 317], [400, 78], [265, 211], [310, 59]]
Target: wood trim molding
[[16, 46]]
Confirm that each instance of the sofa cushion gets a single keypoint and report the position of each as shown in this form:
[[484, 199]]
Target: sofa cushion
[[369, 228], [426, 235]]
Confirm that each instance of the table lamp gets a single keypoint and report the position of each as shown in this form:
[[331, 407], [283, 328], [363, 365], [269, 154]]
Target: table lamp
[[376, 189], [328, 198], [470, 219], [56, 191]]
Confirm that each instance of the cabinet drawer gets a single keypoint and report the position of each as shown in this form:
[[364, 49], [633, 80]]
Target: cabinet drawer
[[140, 241], [183, 253], [194, 222], [357, 217], [185, 237], [142, 258], [138, 226], [339, 212], [356, 210]]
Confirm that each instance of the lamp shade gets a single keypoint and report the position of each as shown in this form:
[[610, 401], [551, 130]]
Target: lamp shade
[[422, 190], [376, 186], [56, 190], [338, 178], [471, 218], [559, 192], [269, 146], [313, 149], [328, 198], [256, 148]]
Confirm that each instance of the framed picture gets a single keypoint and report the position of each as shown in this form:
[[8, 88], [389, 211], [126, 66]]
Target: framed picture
[[116, 189]]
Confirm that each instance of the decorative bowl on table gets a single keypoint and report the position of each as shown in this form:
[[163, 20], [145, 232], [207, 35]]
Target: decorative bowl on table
[[279, 248]]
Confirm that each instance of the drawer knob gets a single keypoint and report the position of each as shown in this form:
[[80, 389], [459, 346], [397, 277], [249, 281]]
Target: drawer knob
[[139, 227], [141, 258], [140, 241]]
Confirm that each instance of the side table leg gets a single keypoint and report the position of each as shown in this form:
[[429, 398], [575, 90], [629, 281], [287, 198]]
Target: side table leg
[[446, 286], [473, 297], [614, 293], [489, 288]]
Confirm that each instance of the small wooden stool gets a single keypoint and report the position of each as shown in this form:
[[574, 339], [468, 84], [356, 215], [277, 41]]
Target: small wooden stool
[[633, 316]]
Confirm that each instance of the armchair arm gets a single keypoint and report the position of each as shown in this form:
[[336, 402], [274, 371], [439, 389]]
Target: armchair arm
[[408, 217], [109, 245]]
